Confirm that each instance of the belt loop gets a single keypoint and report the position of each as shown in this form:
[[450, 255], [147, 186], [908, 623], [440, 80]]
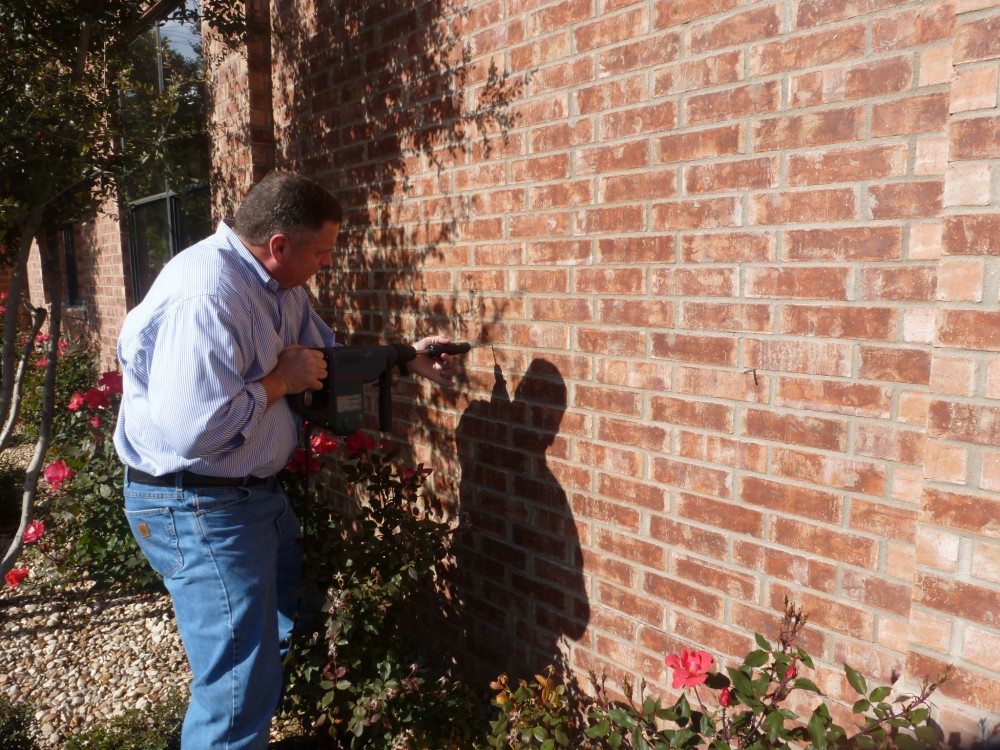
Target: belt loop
[[179, 481]]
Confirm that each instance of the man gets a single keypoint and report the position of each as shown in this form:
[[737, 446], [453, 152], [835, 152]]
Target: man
[[221, 338]]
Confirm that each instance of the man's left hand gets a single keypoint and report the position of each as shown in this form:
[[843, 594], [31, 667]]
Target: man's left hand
[[441, 369]]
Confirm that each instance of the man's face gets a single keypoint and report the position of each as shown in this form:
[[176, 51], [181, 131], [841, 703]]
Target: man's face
[[300, 260]]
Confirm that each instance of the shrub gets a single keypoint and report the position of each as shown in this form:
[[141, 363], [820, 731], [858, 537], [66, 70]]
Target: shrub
[[748, 709], [76, 372], [155, 728], [15, 726], [355, 677]]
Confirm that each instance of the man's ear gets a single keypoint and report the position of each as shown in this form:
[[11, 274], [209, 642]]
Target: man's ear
[[278, 246]]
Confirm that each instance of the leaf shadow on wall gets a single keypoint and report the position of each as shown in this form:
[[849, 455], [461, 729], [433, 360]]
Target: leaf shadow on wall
[[383, 104], [517, 588]]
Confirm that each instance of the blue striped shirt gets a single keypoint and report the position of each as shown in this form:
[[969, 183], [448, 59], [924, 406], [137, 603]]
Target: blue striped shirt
[[193, 353]]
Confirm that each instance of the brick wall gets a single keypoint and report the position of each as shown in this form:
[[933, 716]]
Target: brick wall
[[738, 262]]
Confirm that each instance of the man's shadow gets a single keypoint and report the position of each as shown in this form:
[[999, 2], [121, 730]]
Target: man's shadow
[[518, 589]]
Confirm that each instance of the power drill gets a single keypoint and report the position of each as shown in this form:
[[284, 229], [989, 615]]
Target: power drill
[[339, 405]]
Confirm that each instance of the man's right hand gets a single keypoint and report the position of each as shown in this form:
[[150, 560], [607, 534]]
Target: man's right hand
[[299, 369]]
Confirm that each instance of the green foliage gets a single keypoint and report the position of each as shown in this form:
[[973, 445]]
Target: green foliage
[[748, 711], [76, 372], [354, 675], [156, 728], [15, 726]]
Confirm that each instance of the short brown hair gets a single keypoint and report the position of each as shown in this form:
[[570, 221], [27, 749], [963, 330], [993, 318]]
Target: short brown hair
[[285, 203]]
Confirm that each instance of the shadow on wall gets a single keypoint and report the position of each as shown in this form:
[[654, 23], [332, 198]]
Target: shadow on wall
[[517, 588]]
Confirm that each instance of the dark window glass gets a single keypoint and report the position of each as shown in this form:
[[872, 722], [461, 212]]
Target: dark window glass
[[69, 262], [167, 196]]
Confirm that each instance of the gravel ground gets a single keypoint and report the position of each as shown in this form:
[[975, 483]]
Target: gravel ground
[[81, 658]]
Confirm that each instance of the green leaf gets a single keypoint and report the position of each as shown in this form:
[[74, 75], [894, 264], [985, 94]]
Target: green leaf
[[762, 642], [741, 682], [856, 680], [549, 744], [906, 742], [756, 659], [804, 683], [817, 731], [861, 706], [879, 694]]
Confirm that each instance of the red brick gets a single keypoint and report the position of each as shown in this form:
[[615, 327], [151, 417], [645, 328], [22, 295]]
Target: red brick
[[568, 310], [659, 184], [876, 592], [720, 514], [803, 207], [977, 39], [957, 598], [677, 12], [557, 137], [791, 500], [720, 639], [622, 432], [808, 51], [846, 244], [815, 432], [706, 603], [812, 13], [909, 283], [752, 25], [732, 583], [636, 313], [827, 613], [613, 459], [722, 451], [737, 385], [609, 401], [693, 538], [811, 129], [727, 247], [698, 74], [879, 77], [693, 282], [629, 218], [636, 250], [797, 282], [908, 200], [637, 606], [562, 75], [554, 17], [890, 443], [917, 114], [968, 423], [829, 471], [914, 27], [846, 165], [555, 253], [700, 144], [732, 104], [611, 343], [727, 316], [703, 414], [542, 281], [658, 50], [882, 519], [709, 350], [974, 688], [644, 375], [973, 234], [612, 94], [871, 323], [631, 492], [806, 357], [895, 365], [723, 177], [851, 549], [646, 119], [970, 329], [611, 29], [850, 398], [613, 158], [786, 566], [700, 479], [707, 213], [609, 281], [552, 167]]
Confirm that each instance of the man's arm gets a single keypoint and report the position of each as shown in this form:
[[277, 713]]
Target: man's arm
[[298, 369]]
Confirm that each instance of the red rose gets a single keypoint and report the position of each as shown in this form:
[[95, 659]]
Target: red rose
[[112, 381], [297, 463], [57, 472], [790, 672], [726, 698], [322, 443], [96, 398], [359, 443], [76, 402], [690, 667], [15, 576]]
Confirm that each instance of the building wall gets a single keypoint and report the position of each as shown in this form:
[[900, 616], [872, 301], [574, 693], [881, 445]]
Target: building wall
[[738, 263]]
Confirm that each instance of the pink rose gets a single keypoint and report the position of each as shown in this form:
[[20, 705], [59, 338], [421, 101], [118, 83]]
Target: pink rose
[[112, 381], [15, 576], [420, 473], [76, 402], [96, 422], [322, 443], [690, 667], [57, 472], [34, 532]]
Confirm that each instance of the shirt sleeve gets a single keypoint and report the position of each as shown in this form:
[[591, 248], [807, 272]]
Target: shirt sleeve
[[200, 403], [315, 331]]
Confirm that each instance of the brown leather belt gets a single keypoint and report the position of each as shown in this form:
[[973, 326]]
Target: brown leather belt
[[191, 479]]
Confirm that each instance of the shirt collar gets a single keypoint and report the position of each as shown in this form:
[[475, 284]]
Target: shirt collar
[[230, 238]]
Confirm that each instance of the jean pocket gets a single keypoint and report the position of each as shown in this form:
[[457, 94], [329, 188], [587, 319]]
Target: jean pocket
[[156, 534]]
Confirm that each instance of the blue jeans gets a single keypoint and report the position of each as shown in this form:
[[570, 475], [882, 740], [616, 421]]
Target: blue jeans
[[231, 561]]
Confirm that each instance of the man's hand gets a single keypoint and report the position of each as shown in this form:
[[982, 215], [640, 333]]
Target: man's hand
[[299, 369], [441, 370]]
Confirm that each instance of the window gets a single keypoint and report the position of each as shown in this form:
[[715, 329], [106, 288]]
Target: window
[[69, 263], [164, 109]]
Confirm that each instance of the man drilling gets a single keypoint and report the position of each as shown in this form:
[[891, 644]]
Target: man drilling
[[224, 334]]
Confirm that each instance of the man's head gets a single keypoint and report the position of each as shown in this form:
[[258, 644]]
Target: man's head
[[290, 225]]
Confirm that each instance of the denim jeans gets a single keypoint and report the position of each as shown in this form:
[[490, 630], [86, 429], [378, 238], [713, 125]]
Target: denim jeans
[[231, 561]]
